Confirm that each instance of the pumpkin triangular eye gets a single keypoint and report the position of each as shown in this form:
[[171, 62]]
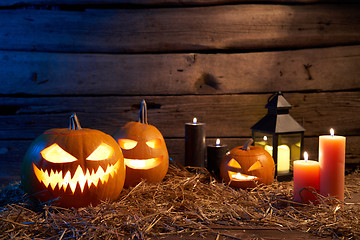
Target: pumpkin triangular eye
[[154, 143], [56, 154], [127, 143], [234, 163], [255, 166], [102, 152]]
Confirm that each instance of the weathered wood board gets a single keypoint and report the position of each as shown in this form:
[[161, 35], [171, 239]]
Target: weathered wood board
[[230, 27], [152, 2], [323, 69], [225, 115]]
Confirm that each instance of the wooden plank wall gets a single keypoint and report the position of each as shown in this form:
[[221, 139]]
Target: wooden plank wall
[[216, 60]]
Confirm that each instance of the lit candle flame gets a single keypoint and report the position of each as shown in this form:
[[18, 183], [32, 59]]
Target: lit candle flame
[[194, 120], [265, 138], [332, 132], [217, 142], [306, 156]]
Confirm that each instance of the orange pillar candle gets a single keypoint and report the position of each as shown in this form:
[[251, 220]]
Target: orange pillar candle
[[332, 165], [306, 179]]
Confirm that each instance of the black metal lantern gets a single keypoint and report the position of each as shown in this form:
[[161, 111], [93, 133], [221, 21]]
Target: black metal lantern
[[280, 135]]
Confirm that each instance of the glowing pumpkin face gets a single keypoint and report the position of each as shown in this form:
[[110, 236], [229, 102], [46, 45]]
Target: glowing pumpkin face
[[75, 166], [247, 167], [145, 153], [149, 152]]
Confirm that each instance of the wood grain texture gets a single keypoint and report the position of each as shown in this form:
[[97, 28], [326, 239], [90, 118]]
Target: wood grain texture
[[12, 152], [225, 115], [238, 27], [153, 2], [324, 69]]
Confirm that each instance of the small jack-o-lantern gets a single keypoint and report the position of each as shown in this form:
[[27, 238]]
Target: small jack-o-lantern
[[74, 167], [247, 166], [145, 153]]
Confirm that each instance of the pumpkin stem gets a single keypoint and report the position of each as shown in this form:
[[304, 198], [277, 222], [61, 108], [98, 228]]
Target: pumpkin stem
[[74, 122], [143, 112], [247, 145]]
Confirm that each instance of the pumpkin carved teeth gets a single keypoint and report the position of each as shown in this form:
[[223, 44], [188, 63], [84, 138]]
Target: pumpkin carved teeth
[[63, 181], [236, 176], [142, 163]]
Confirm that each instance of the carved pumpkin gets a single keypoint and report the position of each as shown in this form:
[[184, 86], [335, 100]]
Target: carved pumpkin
[[74, 167], [245, 167], [145, 153]]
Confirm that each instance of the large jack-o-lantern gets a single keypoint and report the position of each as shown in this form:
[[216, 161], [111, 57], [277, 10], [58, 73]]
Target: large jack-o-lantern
[[145, 153], [74, 167], [247, 166]]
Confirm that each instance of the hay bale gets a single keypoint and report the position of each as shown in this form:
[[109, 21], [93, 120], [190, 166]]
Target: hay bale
[[184, 202]]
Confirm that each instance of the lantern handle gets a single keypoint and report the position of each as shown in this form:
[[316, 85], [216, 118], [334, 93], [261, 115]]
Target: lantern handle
[[273, 95], [143, 112], [74, 122], [247, 145]]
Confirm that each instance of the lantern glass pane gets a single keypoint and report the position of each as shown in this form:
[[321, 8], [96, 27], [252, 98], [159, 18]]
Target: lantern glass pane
[[289, 147], [263, 139]]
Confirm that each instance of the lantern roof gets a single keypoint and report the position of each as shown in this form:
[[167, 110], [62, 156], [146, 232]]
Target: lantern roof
[[278, 120], [277, 101], [282, 123]]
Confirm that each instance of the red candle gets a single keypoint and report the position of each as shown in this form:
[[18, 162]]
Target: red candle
[[306, 179], [332, 165]]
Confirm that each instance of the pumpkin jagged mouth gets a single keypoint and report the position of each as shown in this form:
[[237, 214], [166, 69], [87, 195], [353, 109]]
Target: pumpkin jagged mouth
[[236, 176], [143, 163], [63, 181]]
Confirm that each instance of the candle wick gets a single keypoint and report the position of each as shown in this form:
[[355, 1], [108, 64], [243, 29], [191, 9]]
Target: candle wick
[[332, 132], [306, 156]]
